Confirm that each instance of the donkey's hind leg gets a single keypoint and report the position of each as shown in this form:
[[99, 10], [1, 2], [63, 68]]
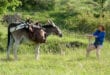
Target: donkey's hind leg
[[9, 47], [37, 52], [15, 47]]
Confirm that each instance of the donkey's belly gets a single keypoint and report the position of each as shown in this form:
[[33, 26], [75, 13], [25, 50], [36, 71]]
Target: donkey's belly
[[20, 35], [25, 39]]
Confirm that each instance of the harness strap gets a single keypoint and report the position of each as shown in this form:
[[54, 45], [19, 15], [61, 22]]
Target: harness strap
[[23, 25]]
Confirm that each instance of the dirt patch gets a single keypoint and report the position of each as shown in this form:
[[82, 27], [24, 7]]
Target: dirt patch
[[75, 44], [1, 48]]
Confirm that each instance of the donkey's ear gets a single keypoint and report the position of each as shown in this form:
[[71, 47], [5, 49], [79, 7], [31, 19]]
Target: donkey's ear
[[37, 22], [53, 24], [49, 21]]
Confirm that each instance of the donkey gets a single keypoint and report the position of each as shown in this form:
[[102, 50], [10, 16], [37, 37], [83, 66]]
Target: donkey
[[49, 28], [19, 31]]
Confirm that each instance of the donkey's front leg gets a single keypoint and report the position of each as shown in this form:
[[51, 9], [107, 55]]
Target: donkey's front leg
[[37, 52], [15, 47]]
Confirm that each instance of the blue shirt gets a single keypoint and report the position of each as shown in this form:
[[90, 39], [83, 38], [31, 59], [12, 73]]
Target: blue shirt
[[99, 37]]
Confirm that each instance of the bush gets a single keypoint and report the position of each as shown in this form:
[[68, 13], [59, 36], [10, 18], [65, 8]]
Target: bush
[[86, 24], [37, 4]]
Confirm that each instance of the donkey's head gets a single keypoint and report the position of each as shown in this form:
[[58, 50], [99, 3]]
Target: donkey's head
[[53, 28]]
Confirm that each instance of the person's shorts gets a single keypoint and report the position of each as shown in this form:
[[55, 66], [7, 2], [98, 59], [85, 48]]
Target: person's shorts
[[96, 46]]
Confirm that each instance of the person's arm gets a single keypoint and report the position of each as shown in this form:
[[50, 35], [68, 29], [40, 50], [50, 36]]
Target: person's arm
[[95, 34]]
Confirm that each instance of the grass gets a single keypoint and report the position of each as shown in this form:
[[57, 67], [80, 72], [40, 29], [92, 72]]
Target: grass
[[73, 62], [49, 64]]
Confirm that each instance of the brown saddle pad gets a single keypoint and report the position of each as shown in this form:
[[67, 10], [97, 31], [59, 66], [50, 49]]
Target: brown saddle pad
[[37, 35]]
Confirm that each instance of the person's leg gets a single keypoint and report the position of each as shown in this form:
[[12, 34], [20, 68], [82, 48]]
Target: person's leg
[[89, 49], [98, 51]]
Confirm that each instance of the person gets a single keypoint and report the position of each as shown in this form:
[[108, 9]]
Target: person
[[99, 35]]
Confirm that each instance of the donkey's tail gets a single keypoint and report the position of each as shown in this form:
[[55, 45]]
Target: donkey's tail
[[9, 37]]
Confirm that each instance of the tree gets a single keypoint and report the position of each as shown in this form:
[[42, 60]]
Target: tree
[[99, 6], [6, 5]]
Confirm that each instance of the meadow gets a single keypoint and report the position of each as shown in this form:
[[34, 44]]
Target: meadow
[[52, 62], [58, 56]]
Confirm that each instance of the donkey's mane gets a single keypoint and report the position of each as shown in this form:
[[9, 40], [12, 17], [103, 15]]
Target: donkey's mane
[[47, 26]]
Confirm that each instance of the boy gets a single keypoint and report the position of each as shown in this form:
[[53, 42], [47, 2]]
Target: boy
[[99, 35]]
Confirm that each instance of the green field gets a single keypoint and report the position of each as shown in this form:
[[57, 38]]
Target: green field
[[73, 62]]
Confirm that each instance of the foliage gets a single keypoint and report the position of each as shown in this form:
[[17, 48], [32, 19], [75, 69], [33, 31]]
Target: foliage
[[37, 4], [99, 6], [11, 5], [6, 5]]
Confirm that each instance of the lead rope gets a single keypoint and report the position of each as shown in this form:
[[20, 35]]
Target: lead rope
[[89, 41]]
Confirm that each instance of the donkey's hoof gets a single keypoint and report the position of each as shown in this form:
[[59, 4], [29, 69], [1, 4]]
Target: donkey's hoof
[[8, 58], [37, 58], [16, 59]]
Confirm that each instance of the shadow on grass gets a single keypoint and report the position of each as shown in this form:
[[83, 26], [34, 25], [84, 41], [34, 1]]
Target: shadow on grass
[[86, 58], [5, 59], [82, 59]]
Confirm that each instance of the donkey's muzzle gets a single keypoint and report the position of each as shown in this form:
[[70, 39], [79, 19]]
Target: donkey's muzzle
[[44, 40], [60, 35]]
